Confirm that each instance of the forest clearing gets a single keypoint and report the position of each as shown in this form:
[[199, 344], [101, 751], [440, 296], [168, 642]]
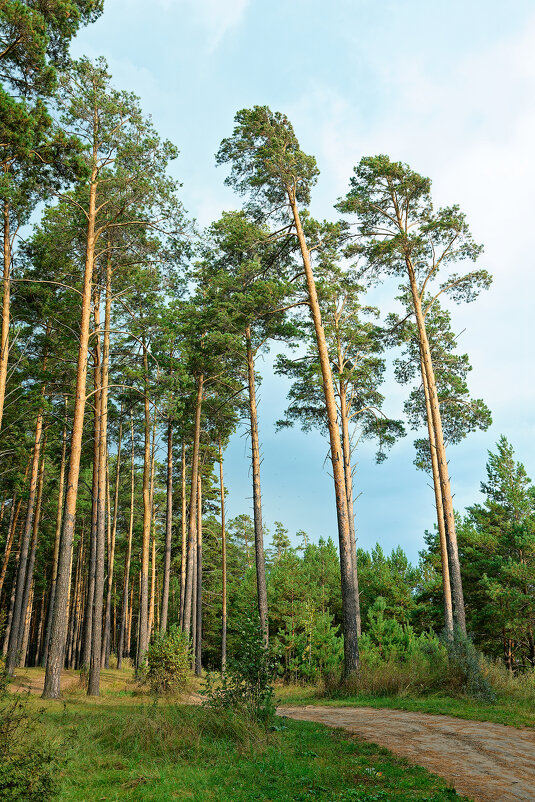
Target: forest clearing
[[249, 484]]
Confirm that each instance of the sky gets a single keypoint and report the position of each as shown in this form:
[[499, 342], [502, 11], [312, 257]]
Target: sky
[[448, 88]]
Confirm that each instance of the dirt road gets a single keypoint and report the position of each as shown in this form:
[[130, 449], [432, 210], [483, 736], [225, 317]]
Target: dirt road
[[487, 762]]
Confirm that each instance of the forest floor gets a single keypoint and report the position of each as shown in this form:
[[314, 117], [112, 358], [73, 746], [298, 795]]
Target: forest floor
[[483, 760], [128, 746]]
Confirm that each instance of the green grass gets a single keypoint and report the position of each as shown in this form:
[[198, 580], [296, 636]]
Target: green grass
[[120, 749], [506, 709]]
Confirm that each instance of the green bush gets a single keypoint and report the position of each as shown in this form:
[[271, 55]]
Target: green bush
[[247, 685], [29, 762], [167, 662], [466, 668]]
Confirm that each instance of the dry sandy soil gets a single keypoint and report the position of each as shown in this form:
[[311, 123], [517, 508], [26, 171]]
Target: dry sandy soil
[[487, 762]]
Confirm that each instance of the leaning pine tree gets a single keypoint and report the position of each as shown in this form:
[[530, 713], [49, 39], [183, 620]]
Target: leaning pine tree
[[268, 165], [400, 234]]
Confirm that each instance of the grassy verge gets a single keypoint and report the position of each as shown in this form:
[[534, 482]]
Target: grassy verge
[[119, 749], [506, 709]]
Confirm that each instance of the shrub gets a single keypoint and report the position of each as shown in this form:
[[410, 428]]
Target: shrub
[[29, 762], [465, 666], [247, 685], [167, 662]]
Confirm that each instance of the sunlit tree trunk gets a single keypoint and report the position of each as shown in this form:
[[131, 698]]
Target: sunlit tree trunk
[[261, 588], [17, 620], [143, 640], [184, 544], [126, 579], [52, 689], [446, 588], [447, 501], [189, 596], [223, 565], [6, 285], [168, 530], [349, 594], [198, 623]]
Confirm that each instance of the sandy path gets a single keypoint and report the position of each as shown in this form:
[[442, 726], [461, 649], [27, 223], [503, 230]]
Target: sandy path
[[487, 762]]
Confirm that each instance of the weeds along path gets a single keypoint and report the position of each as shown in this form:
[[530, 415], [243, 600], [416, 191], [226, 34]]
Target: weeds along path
[[487, 762]]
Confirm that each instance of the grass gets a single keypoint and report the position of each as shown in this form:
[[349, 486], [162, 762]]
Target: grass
[[516, 712], [124, 746]]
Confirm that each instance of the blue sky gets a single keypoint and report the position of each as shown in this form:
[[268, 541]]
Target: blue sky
[[448, 88]]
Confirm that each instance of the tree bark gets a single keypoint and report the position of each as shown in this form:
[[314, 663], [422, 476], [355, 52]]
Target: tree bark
[[126, 579], [193, 508], [349, 595], [6, 282], [447, 501], [168, 530], [261, 588], [198, 624], [59, 517], [17, 621], [143, 640], [52, 689], [446, 587], [223, 566], [346, 448], [28, 584], [184, 528], [93, 688]]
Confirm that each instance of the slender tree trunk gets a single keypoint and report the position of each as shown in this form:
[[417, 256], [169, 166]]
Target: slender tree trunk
[[130, 616], [168, 530], [184, 527], [349, 594], [446, 587], [52, 689], [143, 640], [261, 588], [12, 528], [198, 643], [447, 501], [194, 605], [193, 509], [28, 584], [346, 448], [93, 688], [97, 420], [6, 283], [223, 566], [112, 526], [59, 517], [25, 631], [17, 621], [126, 579], [152, 586]]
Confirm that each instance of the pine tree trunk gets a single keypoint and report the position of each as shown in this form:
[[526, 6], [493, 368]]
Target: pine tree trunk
[[18, 620], [168, 530], [223, 566], [349, 594], [189, 596], [28, 584], [446, 587], [97, 418], [184, 528], [152, 586], [261, 588], [93, 688], [128, 556], [143, 640], [59, 517], [12, 528], [6, 283], [346, 448], [447, 501], [198, 642], [52, 688]]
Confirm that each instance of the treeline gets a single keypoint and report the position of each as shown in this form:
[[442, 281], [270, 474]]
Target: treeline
[[128, 358]]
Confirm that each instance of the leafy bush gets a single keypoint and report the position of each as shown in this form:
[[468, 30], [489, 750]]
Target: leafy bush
[[317, 653], [167, 662], [247, 685], [29, 770]]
